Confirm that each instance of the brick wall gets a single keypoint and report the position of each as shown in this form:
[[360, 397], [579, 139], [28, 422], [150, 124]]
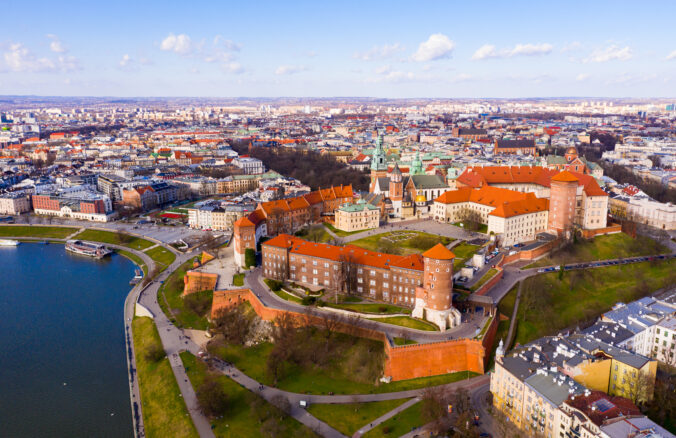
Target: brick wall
[[490, 283], [402, 362], [530, 254], [612, 229]]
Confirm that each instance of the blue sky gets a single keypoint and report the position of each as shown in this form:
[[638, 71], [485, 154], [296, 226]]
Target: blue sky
[[339, 48]]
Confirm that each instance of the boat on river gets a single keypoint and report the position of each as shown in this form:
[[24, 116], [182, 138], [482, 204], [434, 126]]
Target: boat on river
[[9, 242], [90, 249]]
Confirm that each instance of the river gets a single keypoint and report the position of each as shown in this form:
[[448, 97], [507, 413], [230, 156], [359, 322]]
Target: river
[[63, 371]]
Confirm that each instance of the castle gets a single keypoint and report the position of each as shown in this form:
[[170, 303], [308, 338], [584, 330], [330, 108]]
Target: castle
[[422, 282]]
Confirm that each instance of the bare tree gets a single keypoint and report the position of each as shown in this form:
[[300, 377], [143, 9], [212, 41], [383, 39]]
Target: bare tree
[[471, 218], [346, 275]]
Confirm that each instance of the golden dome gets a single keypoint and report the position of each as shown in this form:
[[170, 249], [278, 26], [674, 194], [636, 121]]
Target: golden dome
[[420, 198]]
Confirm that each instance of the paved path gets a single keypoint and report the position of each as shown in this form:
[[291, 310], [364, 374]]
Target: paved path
[[478, 398], [387, 416], [512, 323]]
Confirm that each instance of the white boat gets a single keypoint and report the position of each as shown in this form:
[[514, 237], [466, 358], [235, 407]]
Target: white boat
[[9, 242], [90, 249]]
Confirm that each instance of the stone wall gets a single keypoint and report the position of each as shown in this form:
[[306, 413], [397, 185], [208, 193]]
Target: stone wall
[[402, 362]]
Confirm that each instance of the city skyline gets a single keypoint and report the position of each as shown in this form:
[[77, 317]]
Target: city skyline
[[378, 49]]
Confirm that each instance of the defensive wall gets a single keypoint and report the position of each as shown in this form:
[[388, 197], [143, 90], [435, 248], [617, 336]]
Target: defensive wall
[[402, 362], [490, 283]]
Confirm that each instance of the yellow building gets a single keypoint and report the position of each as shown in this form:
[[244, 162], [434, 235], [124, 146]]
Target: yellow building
[[356, 217]]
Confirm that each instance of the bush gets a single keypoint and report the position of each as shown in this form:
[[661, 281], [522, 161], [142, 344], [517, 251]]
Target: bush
[[307, 301], [212, 397], [274, 285], [250, 257], [198, 302], [154, 352]]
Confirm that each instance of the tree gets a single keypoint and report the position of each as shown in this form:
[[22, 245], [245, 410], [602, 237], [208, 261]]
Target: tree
[[345, 277], [315, 233], [249, 257], [471, 219], [233, 324], [212, 397], [387, 246], [154, 352], [123, 237]]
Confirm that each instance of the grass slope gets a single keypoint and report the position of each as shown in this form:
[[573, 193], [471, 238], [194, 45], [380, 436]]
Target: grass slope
[[407, 321], [350, 417], [29, 231], [398, 425], [164, 411], [134, 258], [172, 291], [114, 238], [611, 246], [582, 295], [162, 256], [246, 411]]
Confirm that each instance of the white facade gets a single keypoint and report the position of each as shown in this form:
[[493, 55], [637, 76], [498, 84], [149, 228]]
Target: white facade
[[653, 213]]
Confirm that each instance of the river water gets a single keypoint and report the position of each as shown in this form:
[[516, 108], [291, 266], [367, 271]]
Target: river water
[[63, 371]]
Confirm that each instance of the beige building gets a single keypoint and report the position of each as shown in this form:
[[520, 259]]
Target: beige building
[[359, 216], [14, 203]]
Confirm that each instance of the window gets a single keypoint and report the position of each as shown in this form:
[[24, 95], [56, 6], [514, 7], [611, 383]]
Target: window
[[314, 262], [373, 282], [360, 271]]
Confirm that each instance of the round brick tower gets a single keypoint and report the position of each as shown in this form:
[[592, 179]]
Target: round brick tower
[[562, 198], [434, 301]]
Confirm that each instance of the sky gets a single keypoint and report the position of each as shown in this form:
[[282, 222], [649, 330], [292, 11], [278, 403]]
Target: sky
[[390, 49]]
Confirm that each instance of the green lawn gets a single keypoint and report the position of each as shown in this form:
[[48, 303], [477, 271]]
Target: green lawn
[[370, 308], [407, 321], [134, 258], [340, 378], [487, 276], [164, 411], [316, 233], [483, 228], [182, 315], [403, 341], [162, 256], [610, 246], [115, 239], [406, 242], [238, 279], [30, 231], [350, 417], [398, 425], [288, 297], [341, 233], [549, 305], [463, 252], [246, 411]]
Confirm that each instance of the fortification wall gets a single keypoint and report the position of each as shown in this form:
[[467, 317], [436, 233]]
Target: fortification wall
[[402, 362]]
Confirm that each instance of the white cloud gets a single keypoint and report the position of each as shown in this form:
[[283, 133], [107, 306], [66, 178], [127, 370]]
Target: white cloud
[[485, 52], [181, 44], [19, 59], [582, 77], [219, 56], [379, 52], [126, 60], [233, 67], [437, 46], [671, 56], [488, 51], [311, 53], [289, 69], [610, 53], [55, 45], [221, 42], [384, 69]]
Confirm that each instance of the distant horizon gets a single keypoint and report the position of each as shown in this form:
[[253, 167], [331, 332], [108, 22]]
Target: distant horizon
[[608, 98], [398, 49]]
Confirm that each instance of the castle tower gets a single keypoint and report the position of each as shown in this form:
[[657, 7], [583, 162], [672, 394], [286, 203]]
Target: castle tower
[[434, 301], [571, 154], [396, 184], [244, 235], [378, 165], [562, 198]]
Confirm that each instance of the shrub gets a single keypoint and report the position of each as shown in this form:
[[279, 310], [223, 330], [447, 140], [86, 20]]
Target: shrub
[[212, 397], [250, 257], [307, 301], [274, 285], [154, 352]]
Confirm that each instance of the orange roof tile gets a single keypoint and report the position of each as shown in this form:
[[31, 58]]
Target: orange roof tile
[[565, 176], [439, 252], [244, 222]]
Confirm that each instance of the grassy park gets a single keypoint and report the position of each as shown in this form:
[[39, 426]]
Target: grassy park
[[341, 233], [34, 231], [556, 301], [401, 242], [611, 246], [247, 414], [115, 239], [238, 279], [162, 256], [164, 411], [463, 252], [188, 312], [350, 417], [409, 322], [398, 425]]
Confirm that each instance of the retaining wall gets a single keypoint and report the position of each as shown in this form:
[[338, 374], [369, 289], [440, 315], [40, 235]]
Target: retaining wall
[[402, 362]]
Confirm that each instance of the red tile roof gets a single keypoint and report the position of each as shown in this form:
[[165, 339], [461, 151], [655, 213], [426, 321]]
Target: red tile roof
[[439, 252]]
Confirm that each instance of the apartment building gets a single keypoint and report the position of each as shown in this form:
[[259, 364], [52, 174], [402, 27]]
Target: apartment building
[[15, 203]]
